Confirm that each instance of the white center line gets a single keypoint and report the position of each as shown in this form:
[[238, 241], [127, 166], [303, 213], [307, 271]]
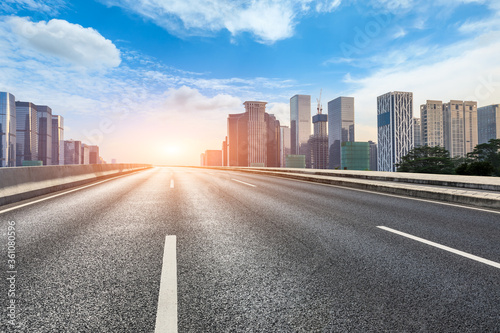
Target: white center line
[[443, 247], [171, 183], [166, 315], [239, 181]]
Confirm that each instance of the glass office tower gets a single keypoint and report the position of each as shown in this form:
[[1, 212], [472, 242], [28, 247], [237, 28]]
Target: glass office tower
[[7, 130], [300, 123], [26, 133], [44, 114], [488, 123], [57, 140], [340, 127]]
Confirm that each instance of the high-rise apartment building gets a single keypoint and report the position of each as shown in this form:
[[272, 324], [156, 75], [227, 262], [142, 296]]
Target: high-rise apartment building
[[488, 123], [57, 140], [431, 115], [340, 127], [417, 132], [253, 137], [285, 148], [26, 133], [44, 114], [7, 130], [318, 143], [460, 127], [470, 126], [300, 123], [395, 128], [72, 152]]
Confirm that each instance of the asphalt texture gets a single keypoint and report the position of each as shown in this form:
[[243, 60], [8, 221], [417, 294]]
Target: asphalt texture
[[279, 256]]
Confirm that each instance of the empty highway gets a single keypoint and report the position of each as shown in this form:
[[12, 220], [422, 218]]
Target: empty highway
[[253, 254]]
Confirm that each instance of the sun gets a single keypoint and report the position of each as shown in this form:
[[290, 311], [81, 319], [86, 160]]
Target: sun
[[172, 150]]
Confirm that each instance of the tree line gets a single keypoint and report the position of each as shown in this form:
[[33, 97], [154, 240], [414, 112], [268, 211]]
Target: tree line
[[484, 160]]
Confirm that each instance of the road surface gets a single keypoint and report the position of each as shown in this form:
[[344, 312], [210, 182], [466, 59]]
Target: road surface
[[254, 254]]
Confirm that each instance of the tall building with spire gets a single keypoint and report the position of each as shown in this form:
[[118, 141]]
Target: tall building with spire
[[318, 143]]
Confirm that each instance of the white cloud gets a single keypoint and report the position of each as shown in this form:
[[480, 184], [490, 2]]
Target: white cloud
[[466, 71], [268, 20], [187, 100], [399, 34], [281, 111], [71, 42], [39, 6]]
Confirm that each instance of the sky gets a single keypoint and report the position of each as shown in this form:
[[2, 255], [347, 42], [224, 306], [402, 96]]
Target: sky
[[152, 81]]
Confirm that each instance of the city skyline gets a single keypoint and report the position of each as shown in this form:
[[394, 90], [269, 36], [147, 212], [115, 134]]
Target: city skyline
[[173, 78]]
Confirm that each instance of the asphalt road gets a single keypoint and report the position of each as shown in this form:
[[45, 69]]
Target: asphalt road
[[278, 256]]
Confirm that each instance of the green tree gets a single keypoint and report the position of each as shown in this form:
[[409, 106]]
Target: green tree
[[426, 159], [476, 168], [489, 153]]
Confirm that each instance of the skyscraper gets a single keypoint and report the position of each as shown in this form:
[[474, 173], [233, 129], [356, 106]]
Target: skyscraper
[[72, 152], [94, 154], [395, 128], [417, 132], [300, 123], [57, 140], [253, 137], [44, 114], [431, 115], [224, 152], [7, 130], [340, 127], [460, 127], [318, 143], [26, 133], [85, 157], [488, 123], [470, 126], [285, 148], [373, 156]]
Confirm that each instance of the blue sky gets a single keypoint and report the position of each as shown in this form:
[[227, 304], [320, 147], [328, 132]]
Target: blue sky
[[154, 80]]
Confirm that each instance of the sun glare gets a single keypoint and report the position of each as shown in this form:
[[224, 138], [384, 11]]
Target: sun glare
[[172, 150]]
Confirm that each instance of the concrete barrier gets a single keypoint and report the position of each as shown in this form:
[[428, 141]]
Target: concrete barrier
[[469, 190], [22, 183]]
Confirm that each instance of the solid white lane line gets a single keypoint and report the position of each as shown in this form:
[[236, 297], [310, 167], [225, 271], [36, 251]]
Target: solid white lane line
[[171, 183], [239, 181], [59, 194], [166, 315], [443, 247]]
